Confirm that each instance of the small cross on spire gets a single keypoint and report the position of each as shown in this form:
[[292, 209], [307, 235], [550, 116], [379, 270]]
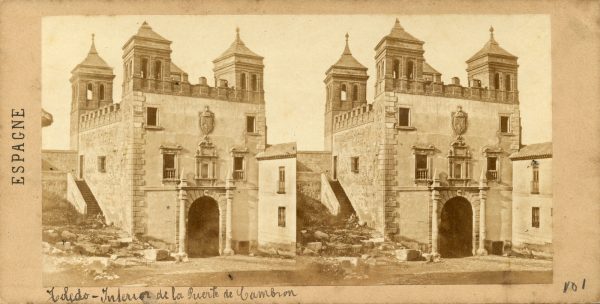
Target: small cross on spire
[[347, 48], [491, 32], [93, 37], [237, 33]]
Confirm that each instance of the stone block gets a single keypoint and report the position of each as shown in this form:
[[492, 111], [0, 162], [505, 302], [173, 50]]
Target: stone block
[[348, 261], [314, 246], [357, 248], [156, 254], [104, 249], [321, 235], [408, 254], [67, 235]]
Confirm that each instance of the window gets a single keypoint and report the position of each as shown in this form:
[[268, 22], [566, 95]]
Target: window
[[409, 69], [535, 180], [421, 170], [396, 69], [504, 124], [238, 168], [281, 217], [169, 166], [535, 217], [354, 164], [101, 92], [403, 117], [343, 93], [89, 92], [243, 81], [492, 171], [497, 81], [157, 69], [281, 180], [144, 68], [254, 82], [101, 163], [250, 124], [458, 170], [151, 117], [355, 92], [204, 170], [507, 82]]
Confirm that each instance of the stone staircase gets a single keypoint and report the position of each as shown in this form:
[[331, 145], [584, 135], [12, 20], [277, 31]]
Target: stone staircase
[[346, 209], [93, 209]]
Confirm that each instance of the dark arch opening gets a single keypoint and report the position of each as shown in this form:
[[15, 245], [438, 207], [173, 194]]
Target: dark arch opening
[[203, 228], [343, 93], [497, 81], [507, 82], [396, 68], [243, 81], [409, 69], [157, 70], [144, 68], [89, 92], [101, 92], [355, 92], [456, 229], [254, 82]]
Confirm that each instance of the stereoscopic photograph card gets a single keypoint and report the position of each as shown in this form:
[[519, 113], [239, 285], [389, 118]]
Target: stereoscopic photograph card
[[204, 152]]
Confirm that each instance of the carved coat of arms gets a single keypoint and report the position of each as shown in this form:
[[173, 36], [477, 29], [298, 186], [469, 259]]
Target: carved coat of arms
[[207, 121], [459, 122]]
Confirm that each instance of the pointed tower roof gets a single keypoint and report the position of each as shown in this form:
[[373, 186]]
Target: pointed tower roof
[[238, 47], [146, 31], [398, 32], [428, 69], [492, 48], [347, 61], [94, 61]]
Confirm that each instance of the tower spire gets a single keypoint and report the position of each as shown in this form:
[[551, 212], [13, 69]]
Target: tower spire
[[492, 35], [347, 48], [237, 34], [93, 46]]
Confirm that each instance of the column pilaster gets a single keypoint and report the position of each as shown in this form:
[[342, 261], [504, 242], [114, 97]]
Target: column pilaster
[[229, 198]]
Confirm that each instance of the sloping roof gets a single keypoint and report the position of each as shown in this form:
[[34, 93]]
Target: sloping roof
[[427, 69], [285, 150], [347, 60], [93, 59], [491, 48], [238, 48], [398, 32], [541, 150], [176, 69], [146, 31]]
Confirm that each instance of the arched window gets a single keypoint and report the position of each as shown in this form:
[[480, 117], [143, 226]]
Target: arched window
[[355, 92], [507, 83], [101, 92], [89, 92], [343, 93], [409, 69], [396, 68], [243, 81], [254, 82], [144, 68], [497, 81], [327, 92], [157, 69]]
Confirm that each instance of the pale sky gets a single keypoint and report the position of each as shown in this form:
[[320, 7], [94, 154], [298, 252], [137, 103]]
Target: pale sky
[[298, 50]]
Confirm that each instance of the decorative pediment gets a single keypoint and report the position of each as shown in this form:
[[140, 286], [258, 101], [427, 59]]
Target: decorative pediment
[[491, 150], [423, 149]]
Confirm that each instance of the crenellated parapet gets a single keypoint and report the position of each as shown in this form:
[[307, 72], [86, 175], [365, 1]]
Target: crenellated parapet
[[454, 90], [357, 116], [202, 89], [103, 116]]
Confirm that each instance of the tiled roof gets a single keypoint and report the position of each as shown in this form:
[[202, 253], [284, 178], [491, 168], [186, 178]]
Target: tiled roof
[[285, 150], [491, 48], [398, 32], [347, 60], [541, 150], [238, 48], [427, 69], [146, 31], [93, 59]]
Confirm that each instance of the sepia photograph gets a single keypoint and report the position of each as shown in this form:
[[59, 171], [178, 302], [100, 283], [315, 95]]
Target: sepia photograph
[[283, 150]]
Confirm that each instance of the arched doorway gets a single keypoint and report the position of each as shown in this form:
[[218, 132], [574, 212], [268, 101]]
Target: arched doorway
[[203, 228], [456, 229]]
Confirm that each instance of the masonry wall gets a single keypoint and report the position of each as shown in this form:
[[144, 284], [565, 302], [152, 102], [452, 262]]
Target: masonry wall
[[414, 218], [111, 187], [56, 164], [270, 234], [310, 166], [361, 187], [523, 233], [179, 127]]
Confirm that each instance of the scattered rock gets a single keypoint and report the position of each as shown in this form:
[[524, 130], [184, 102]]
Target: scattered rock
[[114, 257], [46, 248], [356, 248], [347, 261], [307, 251], [67, 235], [367, 243], [156, 254], [314, 246], [115, 243], [321, 235], [365, 256], [50, 236], [408, 254]]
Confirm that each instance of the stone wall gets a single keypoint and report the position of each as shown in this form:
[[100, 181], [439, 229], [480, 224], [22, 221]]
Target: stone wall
[[523, 232], [270, 234], [55, 166], [310, 166]]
